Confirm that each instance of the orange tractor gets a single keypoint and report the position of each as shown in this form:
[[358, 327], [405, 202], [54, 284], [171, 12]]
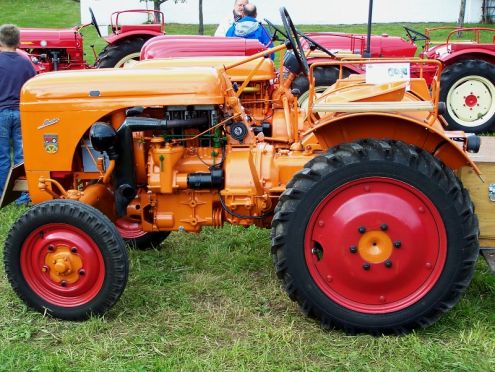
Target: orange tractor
[[372, 230]]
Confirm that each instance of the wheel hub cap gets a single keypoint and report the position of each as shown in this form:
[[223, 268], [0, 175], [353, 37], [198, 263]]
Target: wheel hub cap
[[63, 265], [375, 247], [471, 100]]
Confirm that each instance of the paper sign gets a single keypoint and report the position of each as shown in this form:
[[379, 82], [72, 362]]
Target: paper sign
[[381, 73]]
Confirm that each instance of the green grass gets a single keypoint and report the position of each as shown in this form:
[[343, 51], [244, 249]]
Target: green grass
[[211, 301]]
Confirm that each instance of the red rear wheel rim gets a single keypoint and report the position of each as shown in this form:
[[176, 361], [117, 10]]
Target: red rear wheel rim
[[383, 219], [129, 229], [67, 291]]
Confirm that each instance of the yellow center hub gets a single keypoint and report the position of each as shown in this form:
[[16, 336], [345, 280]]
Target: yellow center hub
[[63, 265], [375, 247]]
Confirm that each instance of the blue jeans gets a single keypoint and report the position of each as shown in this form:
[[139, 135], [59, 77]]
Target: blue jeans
[[10, 130]]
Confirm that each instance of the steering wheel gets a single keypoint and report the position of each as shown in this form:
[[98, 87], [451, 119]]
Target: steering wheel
[[415, 35], [293, 40], [274, 35], [316, 45], [93, 22]]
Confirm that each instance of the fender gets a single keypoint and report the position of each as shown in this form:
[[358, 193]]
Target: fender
[[337, 130], [486, 55], [145, 34], [463, 54]]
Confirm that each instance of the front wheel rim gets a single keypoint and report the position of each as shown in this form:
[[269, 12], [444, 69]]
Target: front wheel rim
[[375, 245], [62, 264], [471, 101]]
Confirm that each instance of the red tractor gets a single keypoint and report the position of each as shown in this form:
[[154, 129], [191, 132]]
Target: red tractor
[[467, 86], [468, 77], [62, 49]]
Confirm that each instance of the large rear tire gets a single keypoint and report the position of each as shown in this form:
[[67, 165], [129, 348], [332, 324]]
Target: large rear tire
[[375, 236], [118, 55], [67, 259], [468, 89]]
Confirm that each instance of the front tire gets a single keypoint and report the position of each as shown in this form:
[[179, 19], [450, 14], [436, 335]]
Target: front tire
[[66, 258], [468, 89], [375, 236]]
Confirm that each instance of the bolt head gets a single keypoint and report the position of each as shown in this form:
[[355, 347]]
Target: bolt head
[[73, 250], [353, 249], [51, 248], [362, 229], [366, 266], [388, 264], [397, 244], [63, 283], [384, 227]]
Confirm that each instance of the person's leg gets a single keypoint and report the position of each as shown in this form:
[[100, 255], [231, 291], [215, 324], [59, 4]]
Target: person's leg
[[5, 124], [18, 151], [17, 137]]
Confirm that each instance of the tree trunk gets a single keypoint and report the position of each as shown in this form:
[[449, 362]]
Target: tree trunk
[[156, 6], [201, 30], [462, 11]]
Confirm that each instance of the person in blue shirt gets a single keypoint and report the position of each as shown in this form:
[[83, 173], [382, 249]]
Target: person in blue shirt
[[248, 27], [15, 70]]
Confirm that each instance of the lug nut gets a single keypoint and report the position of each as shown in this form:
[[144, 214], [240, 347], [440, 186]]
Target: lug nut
[[366, 266], [388, 264], [63, 283], [73, 250], [51, 248], [384, 227], [353, 249], [397, 244], [362, 229], [82, 272]]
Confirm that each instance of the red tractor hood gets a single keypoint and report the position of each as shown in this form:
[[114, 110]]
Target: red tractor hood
[[50, 38], [382, 46], [192, 46]]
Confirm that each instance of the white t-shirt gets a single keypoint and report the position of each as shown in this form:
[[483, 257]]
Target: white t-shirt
[[224, 25]]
